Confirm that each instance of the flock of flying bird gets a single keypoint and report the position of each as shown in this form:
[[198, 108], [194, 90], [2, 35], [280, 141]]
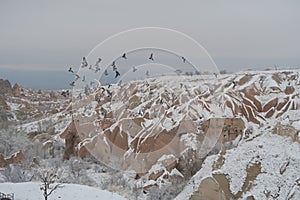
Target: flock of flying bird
[[96, 68]]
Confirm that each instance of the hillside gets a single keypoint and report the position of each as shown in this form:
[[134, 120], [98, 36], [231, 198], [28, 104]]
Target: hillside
[[234, 136]]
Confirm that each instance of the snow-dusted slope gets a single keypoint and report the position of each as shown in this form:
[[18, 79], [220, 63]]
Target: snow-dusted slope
[[159, 126], [134, 114], [277, 162], [31, 191]]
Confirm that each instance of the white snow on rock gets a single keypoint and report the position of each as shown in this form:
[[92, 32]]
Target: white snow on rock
[[271, 151]]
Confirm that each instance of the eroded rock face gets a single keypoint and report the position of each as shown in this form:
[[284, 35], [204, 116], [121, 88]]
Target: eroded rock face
[[72, 139], [209, 189], [134, 101], [218, 186], [16, 157], [232, 128], [3, 162], [13, 159], [287, 131], [16, 90], [5, 87], [168, 166], [3, 103]]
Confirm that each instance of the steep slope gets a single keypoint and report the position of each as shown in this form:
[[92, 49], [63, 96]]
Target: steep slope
[[156, 125], [265, 167]]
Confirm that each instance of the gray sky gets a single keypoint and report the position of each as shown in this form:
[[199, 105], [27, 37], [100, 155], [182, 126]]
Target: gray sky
[[238, 34]]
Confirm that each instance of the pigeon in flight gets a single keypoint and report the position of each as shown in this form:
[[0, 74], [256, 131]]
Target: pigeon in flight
[[134, 69], [109, 94], [84, 63], [183, 59], [77, 77], [71, 70], [98, 62], [83, 79], [65, 93], [151, 57], [72, 84], [97, 69], [147, 73], [97, 65], [105, 73], [117, 74], [234, 84], [91, 67], [124, 56], [113, 64]]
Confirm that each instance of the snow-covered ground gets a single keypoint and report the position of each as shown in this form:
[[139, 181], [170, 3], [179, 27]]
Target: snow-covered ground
[[263, 100], [272, 152], [31, 191]]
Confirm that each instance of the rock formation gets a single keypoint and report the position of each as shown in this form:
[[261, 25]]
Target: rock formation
[[72, 139], [16, 90], [3, 103], [232, 128], [5, 87], [13, 159]]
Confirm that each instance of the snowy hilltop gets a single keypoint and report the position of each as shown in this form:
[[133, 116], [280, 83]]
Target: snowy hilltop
[[229, 136]]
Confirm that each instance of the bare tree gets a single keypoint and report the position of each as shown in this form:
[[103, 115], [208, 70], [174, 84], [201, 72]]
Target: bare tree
[[48, 178]]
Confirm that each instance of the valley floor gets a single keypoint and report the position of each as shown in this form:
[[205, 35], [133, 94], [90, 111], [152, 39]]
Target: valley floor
[[31, 191]]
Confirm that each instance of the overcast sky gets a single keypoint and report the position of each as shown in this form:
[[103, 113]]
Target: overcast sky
[[237, 34]]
